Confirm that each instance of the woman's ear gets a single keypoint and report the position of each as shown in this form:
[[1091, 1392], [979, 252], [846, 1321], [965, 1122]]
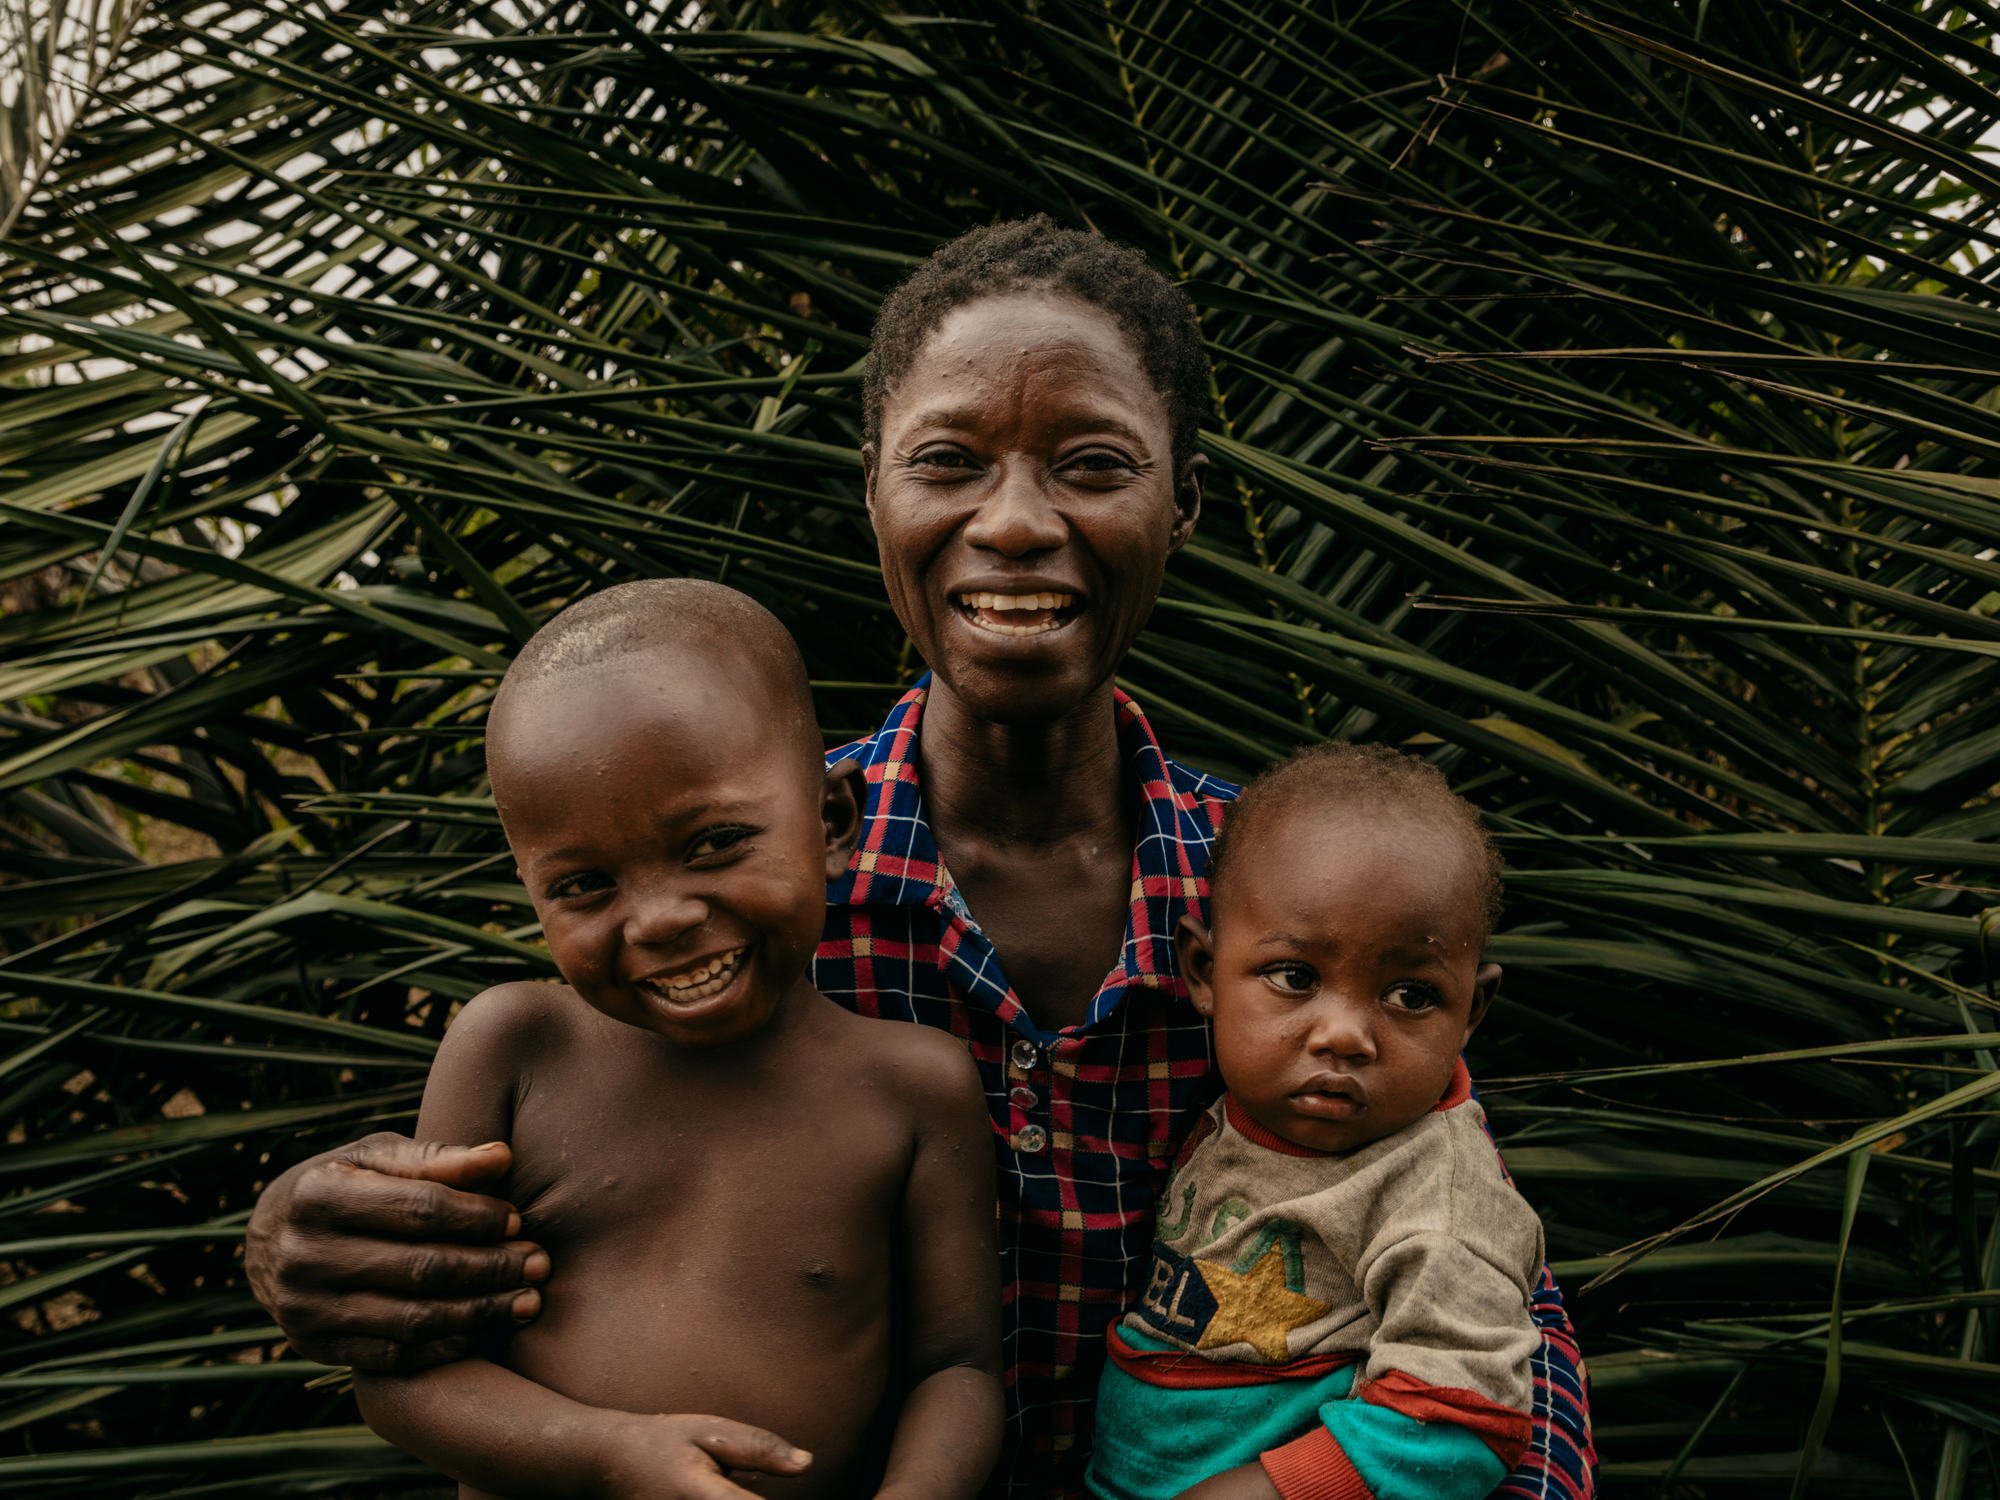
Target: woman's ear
[[1485, 985], [1187, 501], [869, 454], [1195, 948], [840, 814]]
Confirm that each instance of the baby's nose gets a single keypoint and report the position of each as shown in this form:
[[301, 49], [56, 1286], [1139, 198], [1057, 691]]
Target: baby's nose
[[1343, 1028]]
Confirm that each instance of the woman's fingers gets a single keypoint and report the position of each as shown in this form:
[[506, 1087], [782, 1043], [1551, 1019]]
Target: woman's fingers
[[388, 1185], [738, 1445], [371, 1256]]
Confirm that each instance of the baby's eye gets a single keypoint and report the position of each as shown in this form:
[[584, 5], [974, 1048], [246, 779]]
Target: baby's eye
[[713, 841], [577, 883], [1412, 997], [1293, 979]]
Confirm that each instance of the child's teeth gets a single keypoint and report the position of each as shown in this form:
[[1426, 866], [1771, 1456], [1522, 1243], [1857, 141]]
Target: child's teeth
[[710, 979]]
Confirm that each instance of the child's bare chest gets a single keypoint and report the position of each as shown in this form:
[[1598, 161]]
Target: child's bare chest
[[671, 1176], [710, 1256]]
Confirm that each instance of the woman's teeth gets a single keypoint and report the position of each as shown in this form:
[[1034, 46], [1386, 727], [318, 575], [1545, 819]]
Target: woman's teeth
[[711, 978], [1032, 614]]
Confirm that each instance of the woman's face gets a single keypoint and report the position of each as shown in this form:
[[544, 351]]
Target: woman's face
[[1025, 501]]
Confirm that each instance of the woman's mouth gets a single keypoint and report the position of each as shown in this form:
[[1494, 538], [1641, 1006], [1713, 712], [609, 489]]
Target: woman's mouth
[[1017, 614], [702, 981]]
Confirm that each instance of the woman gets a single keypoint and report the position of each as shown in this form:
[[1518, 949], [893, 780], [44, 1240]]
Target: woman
[[1031, 416]]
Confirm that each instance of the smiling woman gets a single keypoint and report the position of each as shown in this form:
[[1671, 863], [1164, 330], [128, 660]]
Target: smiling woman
[[1026, 849]]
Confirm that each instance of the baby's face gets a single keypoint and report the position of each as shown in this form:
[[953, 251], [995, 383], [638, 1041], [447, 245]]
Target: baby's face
[[1342, 975], [673, 842]]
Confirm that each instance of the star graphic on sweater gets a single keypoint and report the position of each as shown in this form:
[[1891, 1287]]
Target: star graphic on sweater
[[1257, 1309]]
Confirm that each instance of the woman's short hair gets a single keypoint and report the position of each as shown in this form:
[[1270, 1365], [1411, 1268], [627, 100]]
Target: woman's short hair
[[1032, 255]]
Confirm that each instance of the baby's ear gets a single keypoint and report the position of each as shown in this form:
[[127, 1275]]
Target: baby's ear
[[840, 814], [1485, 985], [1196, 949]]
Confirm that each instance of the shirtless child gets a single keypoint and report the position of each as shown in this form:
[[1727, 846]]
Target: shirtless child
[[1339, 1298], [757, 1204]]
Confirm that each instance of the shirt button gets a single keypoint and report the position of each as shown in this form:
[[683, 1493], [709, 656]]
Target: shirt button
[[1023, 1098], [1025, 1055], [1034, 1140]]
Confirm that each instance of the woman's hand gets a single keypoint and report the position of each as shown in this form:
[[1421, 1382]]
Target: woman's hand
[[1246, 1482], [689, 1458], [382, 1254]]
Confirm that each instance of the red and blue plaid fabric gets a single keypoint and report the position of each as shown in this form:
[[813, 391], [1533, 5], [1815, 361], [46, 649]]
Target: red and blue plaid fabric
[[1088, 1119]]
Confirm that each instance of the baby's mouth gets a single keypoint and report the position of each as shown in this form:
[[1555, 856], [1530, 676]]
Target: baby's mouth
[[1018, 614], [1333, 1096], [698, 983]]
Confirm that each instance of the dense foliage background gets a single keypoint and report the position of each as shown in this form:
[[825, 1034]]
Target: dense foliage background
[[1604, 401]]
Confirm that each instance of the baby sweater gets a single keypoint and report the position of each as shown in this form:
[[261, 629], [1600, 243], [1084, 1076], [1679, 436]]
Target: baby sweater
[[1358, 1322]]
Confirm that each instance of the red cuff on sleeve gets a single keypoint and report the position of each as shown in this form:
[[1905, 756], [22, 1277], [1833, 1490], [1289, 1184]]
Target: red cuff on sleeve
[[1315, 1467]]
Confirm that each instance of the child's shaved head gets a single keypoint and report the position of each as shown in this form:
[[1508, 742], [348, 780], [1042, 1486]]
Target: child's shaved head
[[678, 625], [1367, 778]]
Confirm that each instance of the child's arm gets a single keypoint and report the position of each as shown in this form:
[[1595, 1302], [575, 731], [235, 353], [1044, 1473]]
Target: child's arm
[[488, 1427], [949, 1431], [494, 1430]]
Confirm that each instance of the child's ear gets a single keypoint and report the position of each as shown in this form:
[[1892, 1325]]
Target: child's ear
[[1485, 985], [840, 814], [1196, 949]]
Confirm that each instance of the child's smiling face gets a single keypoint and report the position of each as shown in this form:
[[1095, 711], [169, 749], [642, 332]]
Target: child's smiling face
[[1343, 972], [676, 841]]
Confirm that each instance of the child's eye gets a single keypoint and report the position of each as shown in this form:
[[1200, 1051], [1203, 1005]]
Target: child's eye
[[1293, 979], [716, 841], [577, 883], [1412, 997]]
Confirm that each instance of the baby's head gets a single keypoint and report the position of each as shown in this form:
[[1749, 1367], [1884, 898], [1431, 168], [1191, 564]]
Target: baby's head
[[1352, 893], [657, 767]]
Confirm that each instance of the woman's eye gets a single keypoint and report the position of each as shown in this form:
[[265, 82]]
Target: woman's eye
[[1293, 979], [577, 883], [1412, 997], [1098, 463], [952, 459], [717, 841]]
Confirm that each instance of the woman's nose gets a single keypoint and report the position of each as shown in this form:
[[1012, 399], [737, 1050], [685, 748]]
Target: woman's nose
[[1015, 518], [1343, 1028]]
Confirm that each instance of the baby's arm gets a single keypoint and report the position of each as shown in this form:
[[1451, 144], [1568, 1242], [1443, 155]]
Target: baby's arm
[[1442, 1409], [484, 1425], [949, 1431]]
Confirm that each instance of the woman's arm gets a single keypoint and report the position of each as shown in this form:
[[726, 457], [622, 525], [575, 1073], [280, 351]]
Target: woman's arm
[[389, 1254], [949, 1431]]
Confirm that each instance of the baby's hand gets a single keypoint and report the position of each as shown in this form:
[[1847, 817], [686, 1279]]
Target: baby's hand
[[1247, 1482], [685, 1458]]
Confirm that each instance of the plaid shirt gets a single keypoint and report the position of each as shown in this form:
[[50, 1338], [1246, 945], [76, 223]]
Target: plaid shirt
[[1086, 1120]]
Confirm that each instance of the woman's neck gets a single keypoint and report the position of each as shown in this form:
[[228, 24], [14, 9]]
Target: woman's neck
[[1031, 784]]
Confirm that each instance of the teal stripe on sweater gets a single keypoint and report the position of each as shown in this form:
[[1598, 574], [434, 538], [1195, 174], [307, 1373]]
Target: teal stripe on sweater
[[1153, 1442], [1400, 1458]]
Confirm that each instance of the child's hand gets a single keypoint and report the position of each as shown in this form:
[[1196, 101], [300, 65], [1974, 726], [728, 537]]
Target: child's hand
[[685, 1458], [1246, 1482]]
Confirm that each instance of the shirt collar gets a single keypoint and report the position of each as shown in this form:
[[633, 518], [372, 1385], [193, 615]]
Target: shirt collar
[[896, 862]]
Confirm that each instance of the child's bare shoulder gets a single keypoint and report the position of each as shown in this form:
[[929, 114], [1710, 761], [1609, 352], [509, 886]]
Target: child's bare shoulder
[[509, 1024], [924, 1067]]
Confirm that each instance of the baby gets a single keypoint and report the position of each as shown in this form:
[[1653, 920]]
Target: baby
[[1338, 1305], [757, 1203]]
